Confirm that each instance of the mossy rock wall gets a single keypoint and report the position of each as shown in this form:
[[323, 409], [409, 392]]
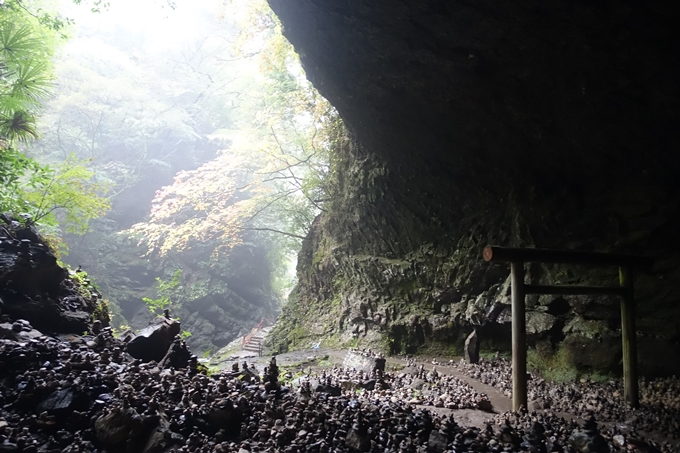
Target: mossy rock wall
[[476, 123]]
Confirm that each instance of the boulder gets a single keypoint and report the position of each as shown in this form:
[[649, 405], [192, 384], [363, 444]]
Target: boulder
[[153, 342], [117, 426], [158, 440], [63, 401], [223, 415], [331, 390], [18, 332], [591, 345], [472, 348], [361, 362], [357, 442], [437, 441], [417, 384], [34, 287], [539, 322], [177, 356], [587, 443]]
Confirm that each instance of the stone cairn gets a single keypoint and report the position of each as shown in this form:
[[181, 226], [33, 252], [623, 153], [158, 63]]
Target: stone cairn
[[89, 395]]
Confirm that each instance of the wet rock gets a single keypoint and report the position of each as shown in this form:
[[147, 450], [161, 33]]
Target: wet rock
[[358, 442], [223, 414], [158, 440], [62, 401], [153, 342], [589, 440], [539, 322], [177, 356], [18, 331], [587, 444], [35, 288], [117, 426], [437, 442], [472, 347]]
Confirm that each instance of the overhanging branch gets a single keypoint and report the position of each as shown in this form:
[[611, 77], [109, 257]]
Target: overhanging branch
[[285, 233]]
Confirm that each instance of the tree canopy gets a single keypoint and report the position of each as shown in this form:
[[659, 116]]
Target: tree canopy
[[269, 176], [198, 138], [39, 193]]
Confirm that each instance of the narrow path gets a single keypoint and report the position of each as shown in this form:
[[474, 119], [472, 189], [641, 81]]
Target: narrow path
[[465, 417], [499, 401]]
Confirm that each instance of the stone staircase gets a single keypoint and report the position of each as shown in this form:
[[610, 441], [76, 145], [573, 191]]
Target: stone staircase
[[254, 342]]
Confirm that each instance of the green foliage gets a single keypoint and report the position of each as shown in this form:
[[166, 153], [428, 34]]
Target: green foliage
[[165, 290], [185, 335], [555, 367], [65, 195], [101, 312], [119, 330], [13, 166], [47, 196], [325, 362], [157, 305], [267, 184], [490, 355], [25, 72], [89, 290], [86, 287], [51, 198]]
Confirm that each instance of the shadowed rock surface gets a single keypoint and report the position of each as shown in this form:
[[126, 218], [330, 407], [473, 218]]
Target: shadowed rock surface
[[35, 288], [153, 341], [526, 124], [59, 396]]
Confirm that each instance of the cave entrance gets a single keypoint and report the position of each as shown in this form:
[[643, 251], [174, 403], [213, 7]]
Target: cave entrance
[[518, 256]]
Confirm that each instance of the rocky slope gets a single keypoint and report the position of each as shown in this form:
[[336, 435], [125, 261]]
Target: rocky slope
[[65, 397], [524, 124], [34, 287], [216, 301]]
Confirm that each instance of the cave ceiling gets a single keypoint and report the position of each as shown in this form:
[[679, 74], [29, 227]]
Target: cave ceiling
[[487, 92]]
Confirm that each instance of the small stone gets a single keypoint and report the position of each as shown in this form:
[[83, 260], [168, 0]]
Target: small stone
[[619, 440]]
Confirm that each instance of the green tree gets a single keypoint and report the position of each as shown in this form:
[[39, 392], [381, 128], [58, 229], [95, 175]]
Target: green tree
[[25, 77], [270, 177], [65, 196], [165, 289], [40, 193]]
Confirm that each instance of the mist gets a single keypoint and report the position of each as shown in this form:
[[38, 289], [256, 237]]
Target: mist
[[199, 128]]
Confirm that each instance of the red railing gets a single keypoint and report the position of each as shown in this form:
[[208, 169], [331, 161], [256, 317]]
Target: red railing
[[247, 338]]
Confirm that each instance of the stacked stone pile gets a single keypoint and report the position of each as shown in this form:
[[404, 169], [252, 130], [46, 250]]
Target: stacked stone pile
[[85, 396], [415, 386], [659, 398]]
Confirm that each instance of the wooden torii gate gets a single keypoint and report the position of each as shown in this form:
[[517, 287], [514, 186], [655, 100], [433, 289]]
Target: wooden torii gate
[[518, 256]]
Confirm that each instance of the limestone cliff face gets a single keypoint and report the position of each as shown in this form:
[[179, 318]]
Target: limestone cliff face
[[524, 124]]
